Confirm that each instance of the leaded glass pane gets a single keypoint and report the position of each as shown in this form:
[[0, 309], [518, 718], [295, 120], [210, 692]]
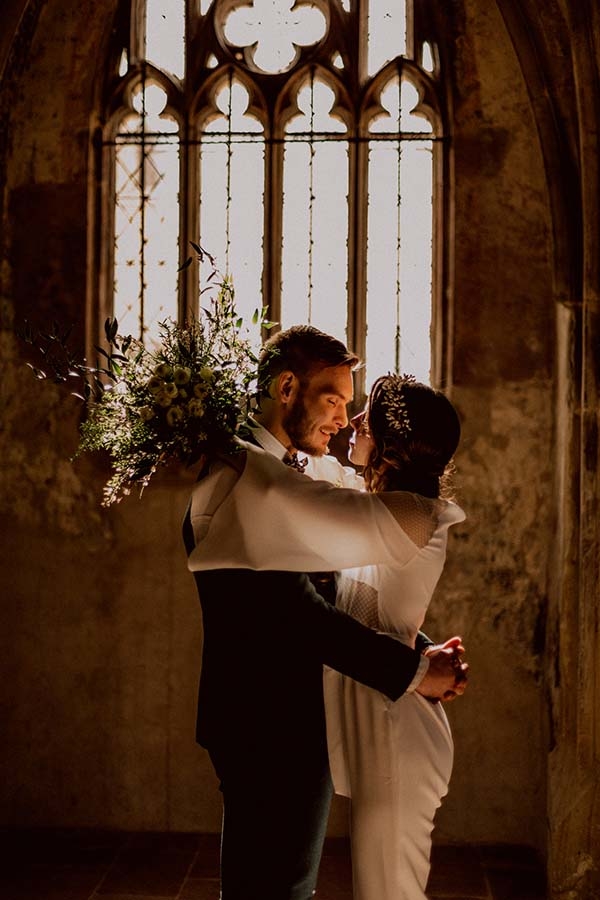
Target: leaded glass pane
[[165, 35], [399, 258], [386, 33], [315, 215], [273, 29], [232, 165], [400, 110], [427, 60], [146, 217], [315, 236]]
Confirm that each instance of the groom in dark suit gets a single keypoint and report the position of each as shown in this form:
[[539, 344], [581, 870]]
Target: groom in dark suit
[[267, 636]]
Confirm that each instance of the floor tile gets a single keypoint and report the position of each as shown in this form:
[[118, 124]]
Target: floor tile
[[61, 846], [128, 897], [335, 877], [514, 884], [206, 864], [200, 889], [152, 864], [96, 865], [509, 855], [456, 871], [48, 882]]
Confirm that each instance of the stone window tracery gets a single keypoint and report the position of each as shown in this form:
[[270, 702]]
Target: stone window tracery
[[301, 144]]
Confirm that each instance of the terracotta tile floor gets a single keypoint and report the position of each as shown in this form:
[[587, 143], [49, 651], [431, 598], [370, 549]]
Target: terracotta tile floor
[[91, 865]]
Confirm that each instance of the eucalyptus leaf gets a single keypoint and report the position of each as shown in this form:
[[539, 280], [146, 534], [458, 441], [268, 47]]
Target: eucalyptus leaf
[[39, 373]]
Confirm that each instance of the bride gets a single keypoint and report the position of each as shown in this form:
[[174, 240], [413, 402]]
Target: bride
[[392, 758]]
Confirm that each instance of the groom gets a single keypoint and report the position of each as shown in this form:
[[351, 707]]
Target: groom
[[266, 638]]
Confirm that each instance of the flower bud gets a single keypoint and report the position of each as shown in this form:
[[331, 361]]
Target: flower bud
[[174, 415], [162, 398], [154, 384], [196, 408], [163, 370], [181, 375]]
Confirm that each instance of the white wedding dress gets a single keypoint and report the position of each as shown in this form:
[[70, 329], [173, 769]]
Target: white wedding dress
[[393, 759]]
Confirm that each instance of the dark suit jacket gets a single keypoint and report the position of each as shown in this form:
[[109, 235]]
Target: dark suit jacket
[[266, 638]]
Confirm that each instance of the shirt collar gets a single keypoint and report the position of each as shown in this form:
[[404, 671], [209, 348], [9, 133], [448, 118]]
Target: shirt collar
[[266, 440]]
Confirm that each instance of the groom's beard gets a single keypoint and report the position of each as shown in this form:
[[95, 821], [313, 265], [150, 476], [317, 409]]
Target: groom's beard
[[298, 426]]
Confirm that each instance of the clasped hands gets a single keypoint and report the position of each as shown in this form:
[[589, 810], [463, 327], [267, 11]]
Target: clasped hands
[[446, 677]]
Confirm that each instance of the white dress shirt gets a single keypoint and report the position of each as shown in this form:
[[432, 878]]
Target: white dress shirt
[[319, 468]]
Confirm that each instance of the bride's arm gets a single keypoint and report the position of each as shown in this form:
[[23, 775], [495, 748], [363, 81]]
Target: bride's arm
[[274, 518]]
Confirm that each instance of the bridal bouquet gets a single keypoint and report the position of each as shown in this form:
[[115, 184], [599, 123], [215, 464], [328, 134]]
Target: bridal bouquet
[[184, 399]]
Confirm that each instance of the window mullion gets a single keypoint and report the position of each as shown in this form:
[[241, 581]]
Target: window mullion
[[189, 223], [442, 255], [107, 279], [411, 40], [143, 209], [357, 255], [273, 230], [137, 32]]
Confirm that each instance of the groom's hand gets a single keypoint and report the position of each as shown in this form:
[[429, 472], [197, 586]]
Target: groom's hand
[[446, 677]]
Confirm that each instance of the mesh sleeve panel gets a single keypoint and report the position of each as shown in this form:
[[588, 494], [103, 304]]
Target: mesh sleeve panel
[[416, 515]]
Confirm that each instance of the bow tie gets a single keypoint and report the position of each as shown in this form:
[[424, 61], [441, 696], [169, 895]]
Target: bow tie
[[291, 459]]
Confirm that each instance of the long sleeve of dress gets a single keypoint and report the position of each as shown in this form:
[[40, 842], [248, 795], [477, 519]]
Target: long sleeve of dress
[[270, 517]]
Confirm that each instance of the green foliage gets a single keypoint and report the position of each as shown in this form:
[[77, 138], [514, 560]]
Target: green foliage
[[181, 401]]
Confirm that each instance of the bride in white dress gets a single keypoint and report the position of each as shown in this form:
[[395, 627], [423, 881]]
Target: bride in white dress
[[394, 759]]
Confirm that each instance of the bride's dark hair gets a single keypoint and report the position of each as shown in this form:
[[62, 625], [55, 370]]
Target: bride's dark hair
[[415, 431]]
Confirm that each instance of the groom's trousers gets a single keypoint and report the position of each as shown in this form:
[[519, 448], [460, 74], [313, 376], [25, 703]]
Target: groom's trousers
[[274, 822]]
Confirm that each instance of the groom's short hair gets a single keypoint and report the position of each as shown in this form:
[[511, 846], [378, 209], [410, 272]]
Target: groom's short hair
[[302, 349]]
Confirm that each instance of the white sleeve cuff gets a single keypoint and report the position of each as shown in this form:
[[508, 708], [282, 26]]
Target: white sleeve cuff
[[422, 670]]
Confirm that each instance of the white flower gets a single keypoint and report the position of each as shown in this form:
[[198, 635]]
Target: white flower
[[162, 398], [174, 415], [146, 413], [154, 384], [200, 390], [163, 370], [206, 373], [170, 390], [181, 374], [196, 408]]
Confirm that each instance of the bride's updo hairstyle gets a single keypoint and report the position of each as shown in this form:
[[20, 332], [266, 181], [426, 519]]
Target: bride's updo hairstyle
[[415, 430]]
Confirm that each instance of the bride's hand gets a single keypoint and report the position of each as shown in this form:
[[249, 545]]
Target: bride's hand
[[447, 674]]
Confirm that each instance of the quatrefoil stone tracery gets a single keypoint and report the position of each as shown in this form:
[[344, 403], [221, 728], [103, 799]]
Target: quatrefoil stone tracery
[[272, 30]]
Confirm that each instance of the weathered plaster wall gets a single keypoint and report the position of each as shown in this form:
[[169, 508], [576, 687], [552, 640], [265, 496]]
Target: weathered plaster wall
[[494, 588], [574, 645], [100, 679], [100, 616]]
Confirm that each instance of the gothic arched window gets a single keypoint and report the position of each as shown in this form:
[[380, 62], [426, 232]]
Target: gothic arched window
[[300, 144]]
